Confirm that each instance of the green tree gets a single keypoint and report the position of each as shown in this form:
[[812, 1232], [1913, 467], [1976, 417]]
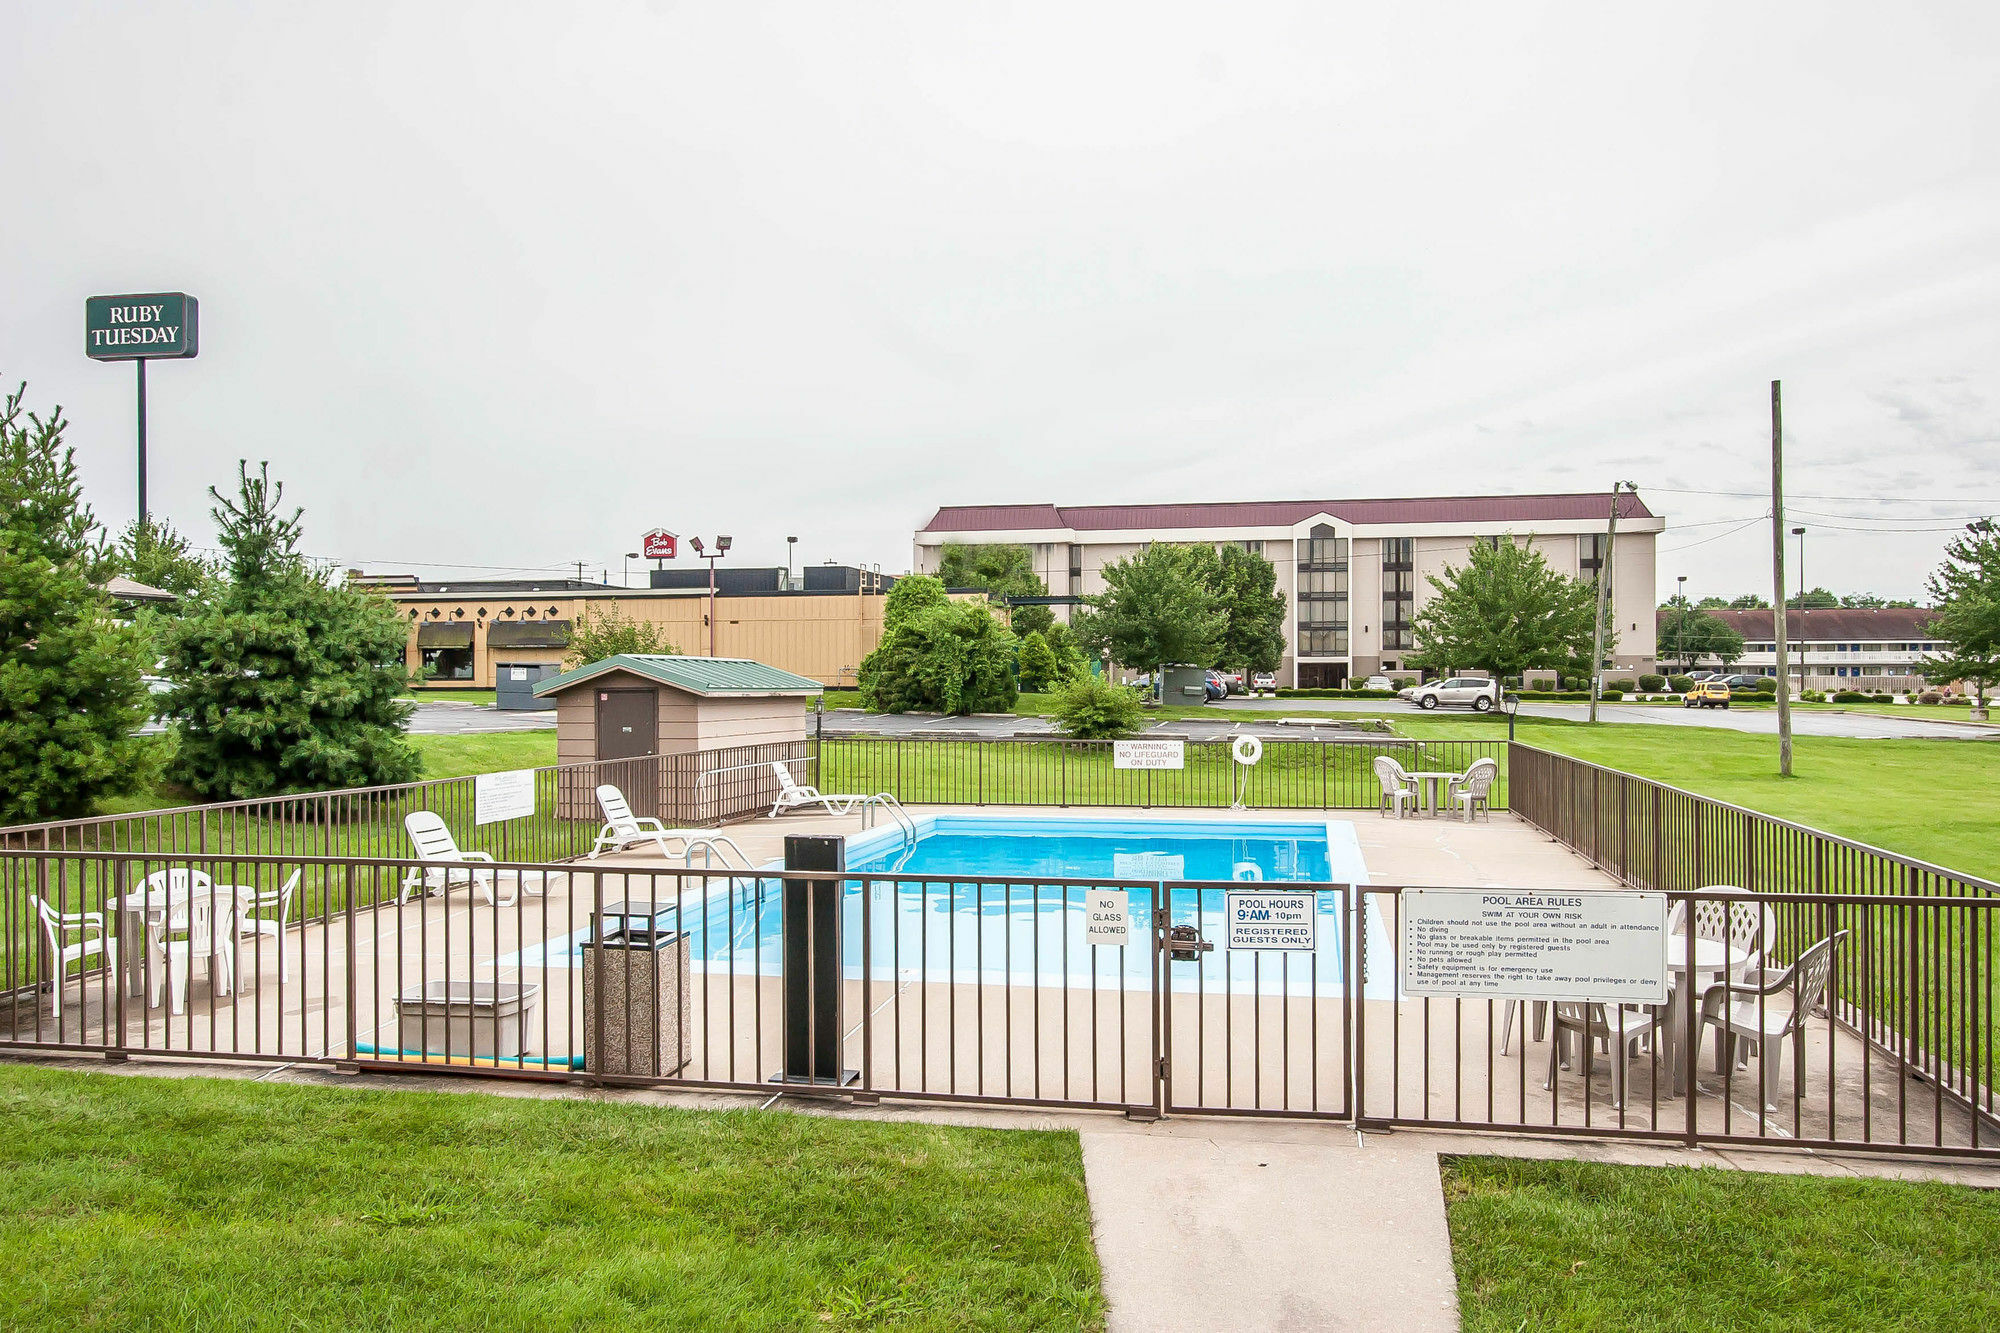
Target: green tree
[[283, 679], [1506, 612], [1093, 709], [1819, 599], [1749, 601], [1039, 668], [70, 689], [1159, 608], [917, 593], [151, 552], [605, 633], [1028, 620], [1966, 591], [1688, 634], [1003, 571], [1247, 587], [1709, 603], [1869, 599], [1070, 660], [951, 658]]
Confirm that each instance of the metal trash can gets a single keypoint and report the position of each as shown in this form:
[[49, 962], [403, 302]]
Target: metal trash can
[[635, 994], [461, 1018]]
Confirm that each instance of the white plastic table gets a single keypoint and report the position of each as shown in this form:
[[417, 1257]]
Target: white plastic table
[[1712, 959], [157, 906], [1433, 787]]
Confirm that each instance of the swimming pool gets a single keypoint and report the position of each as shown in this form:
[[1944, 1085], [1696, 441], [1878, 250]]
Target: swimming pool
[[932, 927]]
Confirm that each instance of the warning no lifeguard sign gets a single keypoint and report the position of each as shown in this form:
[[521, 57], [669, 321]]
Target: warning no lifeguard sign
[[1148, 754]]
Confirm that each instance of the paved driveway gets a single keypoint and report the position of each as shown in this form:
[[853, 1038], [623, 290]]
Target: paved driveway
[[446, 718], [1760, 721]]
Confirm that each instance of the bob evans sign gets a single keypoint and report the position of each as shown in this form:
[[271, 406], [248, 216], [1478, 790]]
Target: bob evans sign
[[160, 325]]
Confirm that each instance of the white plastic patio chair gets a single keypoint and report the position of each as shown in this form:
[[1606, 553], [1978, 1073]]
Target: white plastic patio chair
[[1729, 915], [1474, 788], [793, 796], [1742, 1013], [1618, 1027], [434, 842], [56, 925], [1398, 786], [623, 829], [181, 934], [251, 922]]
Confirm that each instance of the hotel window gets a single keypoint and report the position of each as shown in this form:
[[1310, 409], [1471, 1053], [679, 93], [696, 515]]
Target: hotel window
[[1399, 590], [1075, 568], [1590, 556], [1322, 591]]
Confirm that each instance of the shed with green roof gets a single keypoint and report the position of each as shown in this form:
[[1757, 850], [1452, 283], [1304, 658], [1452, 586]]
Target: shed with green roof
[[634, 706]]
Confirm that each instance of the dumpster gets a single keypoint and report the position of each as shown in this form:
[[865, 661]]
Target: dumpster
[[635, 993], [479, 1018]]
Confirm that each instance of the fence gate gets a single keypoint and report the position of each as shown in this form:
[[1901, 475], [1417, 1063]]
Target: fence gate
[[1263, 1027]]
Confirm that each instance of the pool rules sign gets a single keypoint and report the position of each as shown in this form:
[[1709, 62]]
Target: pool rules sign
[[1607, 945]]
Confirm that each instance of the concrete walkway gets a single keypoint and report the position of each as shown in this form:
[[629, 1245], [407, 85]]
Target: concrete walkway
[[1273, 1230]]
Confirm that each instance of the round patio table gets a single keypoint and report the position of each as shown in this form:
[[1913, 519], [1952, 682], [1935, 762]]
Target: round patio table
[[1712, 960]]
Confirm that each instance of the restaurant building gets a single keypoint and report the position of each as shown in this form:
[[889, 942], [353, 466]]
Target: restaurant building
[[474, 634], [1353, 572]]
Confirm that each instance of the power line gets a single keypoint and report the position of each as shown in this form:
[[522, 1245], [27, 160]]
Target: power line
[[1865, 499], [1688, 546]]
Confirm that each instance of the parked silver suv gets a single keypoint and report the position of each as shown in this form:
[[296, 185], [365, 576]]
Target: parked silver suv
[[1480, 696]]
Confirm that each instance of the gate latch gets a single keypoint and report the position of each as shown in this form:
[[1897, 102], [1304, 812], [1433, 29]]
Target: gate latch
[[1185, 944]]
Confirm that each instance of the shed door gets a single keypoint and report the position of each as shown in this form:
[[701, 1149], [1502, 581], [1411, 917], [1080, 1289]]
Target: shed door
[[628, 728]]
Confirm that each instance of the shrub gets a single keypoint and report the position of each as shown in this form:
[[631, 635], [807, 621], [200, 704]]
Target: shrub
[[1849, 697], [1931, 697], [1622, 686], [1766, 685], [950, 657], [1039, 668], [1402, 682], [1680, 684], [1094, 709], [1652, 684]]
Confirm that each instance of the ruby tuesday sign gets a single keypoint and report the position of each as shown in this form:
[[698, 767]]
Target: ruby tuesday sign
[[158, 325]]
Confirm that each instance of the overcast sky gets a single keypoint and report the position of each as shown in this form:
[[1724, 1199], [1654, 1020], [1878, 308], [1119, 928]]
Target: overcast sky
[[506, 285]]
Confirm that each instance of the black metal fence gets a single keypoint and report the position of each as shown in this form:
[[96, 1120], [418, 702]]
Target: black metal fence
[[981, 989], [1918, 975], [1290, 774], [367, 824]]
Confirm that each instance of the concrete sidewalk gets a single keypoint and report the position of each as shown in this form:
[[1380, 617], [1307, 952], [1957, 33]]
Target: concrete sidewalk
[[1282, 1230]]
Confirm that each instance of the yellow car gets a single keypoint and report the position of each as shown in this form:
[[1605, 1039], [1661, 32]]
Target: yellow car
[[1707, 694]]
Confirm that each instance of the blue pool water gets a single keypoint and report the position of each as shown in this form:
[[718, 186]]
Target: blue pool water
[[920, 925]]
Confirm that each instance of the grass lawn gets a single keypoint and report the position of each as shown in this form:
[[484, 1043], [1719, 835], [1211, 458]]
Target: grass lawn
[[490, 752], [1583, 1245], [217, 1204]]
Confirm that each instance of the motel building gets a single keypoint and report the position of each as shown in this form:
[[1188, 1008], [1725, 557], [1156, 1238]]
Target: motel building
[[1836, 648], [511, 634], [1353, 571]]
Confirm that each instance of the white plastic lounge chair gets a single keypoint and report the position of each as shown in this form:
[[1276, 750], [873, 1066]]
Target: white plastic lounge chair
[[1474, 788], [249, 923], [792, 796], [1743, 1012], [1398, 786], [91, 940], [434, 842], [623, 829]]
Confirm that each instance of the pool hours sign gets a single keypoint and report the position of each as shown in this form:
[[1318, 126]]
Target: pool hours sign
[[154, 326]]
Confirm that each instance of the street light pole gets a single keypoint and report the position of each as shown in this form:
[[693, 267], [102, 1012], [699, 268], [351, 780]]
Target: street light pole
[[791, 545], [721, 549], [1800, 533], [1680, 620], [625, 574]]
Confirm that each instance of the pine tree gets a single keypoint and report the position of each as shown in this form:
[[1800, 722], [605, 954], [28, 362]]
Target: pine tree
[[1039, 668], [284, 680], [71, 696]]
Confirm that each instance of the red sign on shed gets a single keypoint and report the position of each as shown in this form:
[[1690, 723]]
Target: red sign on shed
[[659, 544]]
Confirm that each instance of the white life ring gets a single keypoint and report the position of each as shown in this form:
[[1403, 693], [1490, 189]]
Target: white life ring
[[1247, 750]]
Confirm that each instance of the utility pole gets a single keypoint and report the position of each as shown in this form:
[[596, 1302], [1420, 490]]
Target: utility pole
[[1603, 595], [1778, 581]]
